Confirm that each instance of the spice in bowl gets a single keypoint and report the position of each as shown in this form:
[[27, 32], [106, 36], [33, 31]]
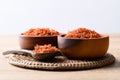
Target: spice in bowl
[[40, 36], [41, 32], [45, 52], [83, 43], [82, 33], [45, 49]]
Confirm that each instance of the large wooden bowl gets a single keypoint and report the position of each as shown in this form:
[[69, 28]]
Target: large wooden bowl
[[28, 42], [83, 48]]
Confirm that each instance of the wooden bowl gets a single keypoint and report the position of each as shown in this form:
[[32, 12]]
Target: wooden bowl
[[83, 48], [28, 42]]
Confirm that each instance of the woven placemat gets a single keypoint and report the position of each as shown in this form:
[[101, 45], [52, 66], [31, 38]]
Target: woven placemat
[[59, 63]]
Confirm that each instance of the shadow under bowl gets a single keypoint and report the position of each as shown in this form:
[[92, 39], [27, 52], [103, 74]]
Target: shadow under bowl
[[28, 42], [74, 48]]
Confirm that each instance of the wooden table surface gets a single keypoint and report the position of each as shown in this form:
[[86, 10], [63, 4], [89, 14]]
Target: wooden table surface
[[9, 72]]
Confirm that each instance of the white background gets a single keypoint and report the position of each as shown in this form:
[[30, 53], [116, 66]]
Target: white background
[[17, 16]]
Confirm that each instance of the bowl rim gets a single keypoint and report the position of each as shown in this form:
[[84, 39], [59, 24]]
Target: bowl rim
[[21, 35], [103, 36]]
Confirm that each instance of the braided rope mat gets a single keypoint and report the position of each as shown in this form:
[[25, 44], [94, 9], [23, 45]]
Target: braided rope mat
[[59, 63]]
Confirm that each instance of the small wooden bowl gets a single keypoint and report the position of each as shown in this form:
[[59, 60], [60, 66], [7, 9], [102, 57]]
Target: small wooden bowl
[[28, 42], [74, 48]]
